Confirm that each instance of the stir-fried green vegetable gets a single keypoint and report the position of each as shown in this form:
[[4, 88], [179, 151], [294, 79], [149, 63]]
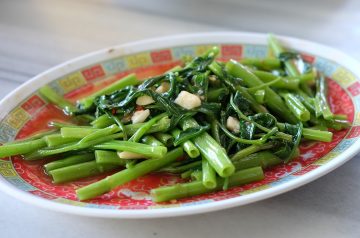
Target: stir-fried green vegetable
[[228, 121]]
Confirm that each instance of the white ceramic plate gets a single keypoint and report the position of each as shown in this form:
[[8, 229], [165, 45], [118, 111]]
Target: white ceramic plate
[[24, 108]]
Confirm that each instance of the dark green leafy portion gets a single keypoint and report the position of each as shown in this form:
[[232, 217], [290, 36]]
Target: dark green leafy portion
[[218, 94], [198, 65], [165, 104], [265, 119], [302, 66], [193, 78], [242, 103], [286, 150], [199, 85], [285, 56], [247, 130], [189, 133], [208, 108]]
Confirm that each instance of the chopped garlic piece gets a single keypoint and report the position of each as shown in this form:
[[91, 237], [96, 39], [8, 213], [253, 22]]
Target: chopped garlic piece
[[212, 78], [233, 124], [188, 100], [144, 100], [163, 88], [140, 116], [130, 155]]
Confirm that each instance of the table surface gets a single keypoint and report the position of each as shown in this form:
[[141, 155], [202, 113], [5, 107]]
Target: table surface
[[39, 34]]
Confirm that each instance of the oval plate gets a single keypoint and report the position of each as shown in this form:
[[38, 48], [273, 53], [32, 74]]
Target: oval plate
[[24, 112]]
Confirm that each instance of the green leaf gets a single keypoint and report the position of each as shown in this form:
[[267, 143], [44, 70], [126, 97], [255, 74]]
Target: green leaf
[[189, 133], [247, 130], [265, 119], [287, 150]]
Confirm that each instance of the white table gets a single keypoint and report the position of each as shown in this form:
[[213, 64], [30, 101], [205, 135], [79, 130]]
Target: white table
[[38, 34]]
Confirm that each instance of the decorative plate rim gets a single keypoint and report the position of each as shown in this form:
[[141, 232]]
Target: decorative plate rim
[[33, 84]]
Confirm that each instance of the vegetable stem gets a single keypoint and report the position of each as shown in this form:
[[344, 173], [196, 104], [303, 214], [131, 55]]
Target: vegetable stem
[[273, 100], [183, 168], [47, 92], [312, 134], [164, 138], [265, 159], [79, 132], [322, 107], [250, 150], [283, 83], [126, 175], [182, 190], [75, 159], [146, 150], [57, 139], [146, 127], [188, 145], [77, 171], [211, 150], [104, 157], [196, 175], [21, 147], [266, 63], [69, 147], [295, 106], [150, 140], [209, 175]]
